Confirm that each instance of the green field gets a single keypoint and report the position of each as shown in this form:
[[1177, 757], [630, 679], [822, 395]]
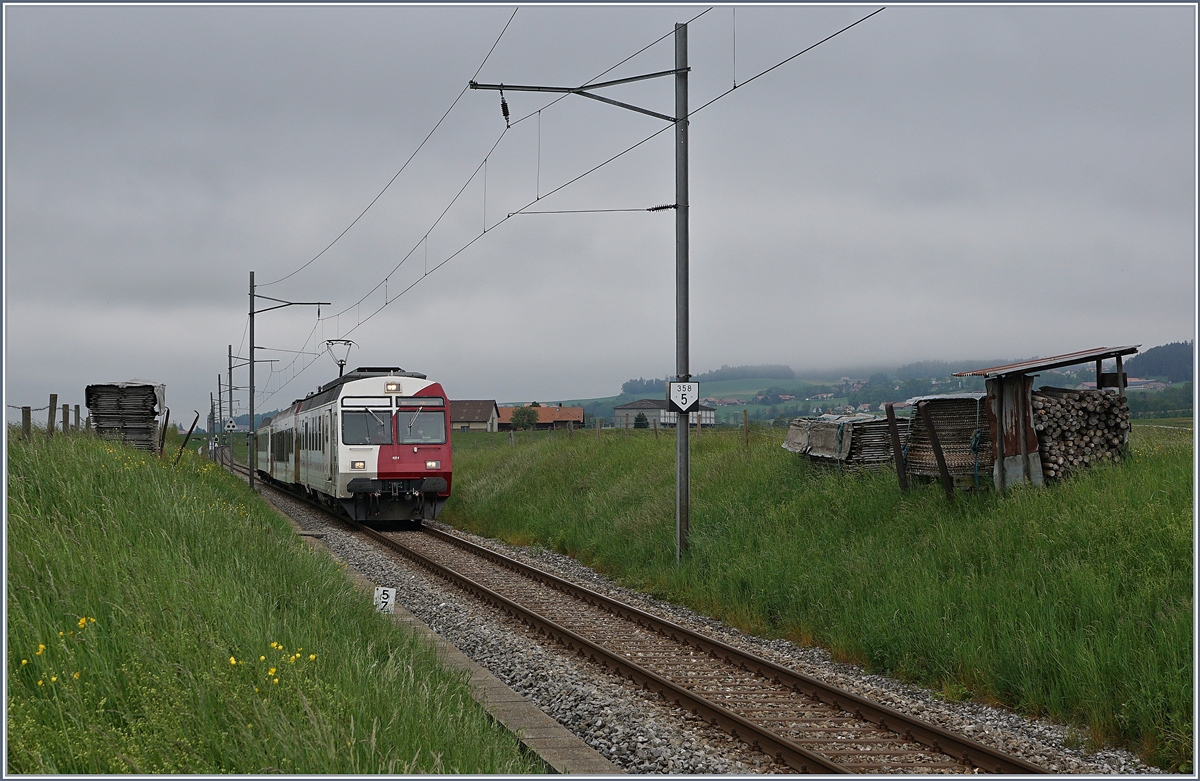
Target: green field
[[165, 620], [1073, 602]]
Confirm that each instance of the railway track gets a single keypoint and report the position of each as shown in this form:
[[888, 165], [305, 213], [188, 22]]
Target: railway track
[[798, 720]]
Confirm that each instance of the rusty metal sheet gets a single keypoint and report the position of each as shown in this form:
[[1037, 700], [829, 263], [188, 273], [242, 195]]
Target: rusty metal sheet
[[1013, 437], [1052, 362]]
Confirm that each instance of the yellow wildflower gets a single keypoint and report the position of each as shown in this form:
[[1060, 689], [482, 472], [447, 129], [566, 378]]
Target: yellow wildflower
[[262, 658], [92, 620], [39, 683], [53, 678], [60, 634], [24, 661], [270, 672], [275, 681], [41, 647], [312, 657], [232, 660], [76, 675], [82, 623]]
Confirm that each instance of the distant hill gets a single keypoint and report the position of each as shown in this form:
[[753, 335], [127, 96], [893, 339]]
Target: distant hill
[[1173, 361], [940, 369], [774, 371]]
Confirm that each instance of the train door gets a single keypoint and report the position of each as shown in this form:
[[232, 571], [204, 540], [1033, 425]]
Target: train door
[[331, 436], [303, 454], [296, 453]]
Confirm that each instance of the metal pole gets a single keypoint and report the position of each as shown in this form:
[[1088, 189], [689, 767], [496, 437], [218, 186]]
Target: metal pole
[[251, 452], [220, 427], [682, 483], [229, 387]]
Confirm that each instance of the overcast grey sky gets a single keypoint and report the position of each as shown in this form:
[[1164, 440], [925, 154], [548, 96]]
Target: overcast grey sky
[[935, 183]]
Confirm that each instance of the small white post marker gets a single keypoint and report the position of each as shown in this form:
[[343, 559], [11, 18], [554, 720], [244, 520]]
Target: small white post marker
[[385, 599]]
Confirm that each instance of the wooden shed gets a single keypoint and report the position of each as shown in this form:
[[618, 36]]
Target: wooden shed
[[1014, 438]]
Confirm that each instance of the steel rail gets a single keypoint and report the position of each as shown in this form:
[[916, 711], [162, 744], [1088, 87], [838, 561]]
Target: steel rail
[[956, 746], [783, 749]]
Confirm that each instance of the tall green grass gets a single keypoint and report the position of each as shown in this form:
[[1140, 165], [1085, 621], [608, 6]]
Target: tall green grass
[[1073, 602], [164, 620]]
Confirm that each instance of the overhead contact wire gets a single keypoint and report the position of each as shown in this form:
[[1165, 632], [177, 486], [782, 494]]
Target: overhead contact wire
[[403, 167]]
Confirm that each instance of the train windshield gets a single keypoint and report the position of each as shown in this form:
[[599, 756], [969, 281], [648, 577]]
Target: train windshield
[[421, 427], [367, 427]]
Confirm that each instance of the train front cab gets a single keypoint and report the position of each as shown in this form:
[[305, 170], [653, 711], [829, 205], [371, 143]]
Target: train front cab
[[395, 460]]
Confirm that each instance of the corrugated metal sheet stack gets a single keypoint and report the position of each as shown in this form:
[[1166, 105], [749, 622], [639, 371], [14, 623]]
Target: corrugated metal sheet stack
[[126, 411], [961, 423], [849, 441]]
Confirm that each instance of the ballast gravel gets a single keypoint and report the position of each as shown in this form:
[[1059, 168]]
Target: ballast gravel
[[637, 730]]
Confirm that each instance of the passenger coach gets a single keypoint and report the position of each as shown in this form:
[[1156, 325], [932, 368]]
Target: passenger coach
[[375, 442]]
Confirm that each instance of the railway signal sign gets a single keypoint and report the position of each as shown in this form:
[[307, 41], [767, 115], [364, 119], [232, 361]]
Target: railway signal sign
[[684, 396], [230, 425], [385, 599]]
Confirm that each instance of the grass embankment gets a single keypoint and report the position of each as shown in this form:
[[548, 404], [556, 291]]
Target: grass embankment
[[1073, 602], [165, 620]]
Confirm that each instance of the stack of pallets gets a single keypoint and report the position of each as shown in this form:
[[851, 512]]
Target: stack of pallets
[[849, 441], [961, 423], [126, 411]]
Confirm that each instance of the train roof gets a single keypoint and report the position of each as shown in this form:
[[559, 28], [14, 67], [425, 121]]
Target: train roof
[[363, 372], [330, 389]]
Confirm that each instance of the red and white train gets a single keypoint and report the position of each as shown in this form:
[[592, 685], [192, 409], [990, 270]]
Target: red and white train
[[375, 442]]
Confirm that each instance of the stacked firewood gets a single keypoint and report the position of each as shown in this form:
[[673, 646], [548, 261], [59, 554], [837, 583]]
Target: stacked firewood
[[1078, 428]]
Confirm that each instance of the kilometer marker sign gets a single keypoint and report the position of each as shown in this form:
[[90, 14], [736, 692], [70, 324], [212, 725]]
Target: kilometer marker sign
[[684, 396]]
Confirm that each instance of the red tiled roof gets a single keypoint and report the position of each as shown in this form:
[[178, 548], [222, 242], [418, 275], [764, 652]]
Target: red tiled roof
[[547, 414]]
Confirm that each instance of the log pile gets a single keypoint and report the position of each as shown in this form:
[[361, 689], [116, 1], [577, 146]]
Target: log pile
[[1078, 428]]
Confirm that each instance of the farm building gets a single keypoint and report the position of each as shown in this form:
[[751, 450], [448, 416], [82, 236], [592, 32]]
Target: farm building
[[474, 415], [658, 409], [549, 416]]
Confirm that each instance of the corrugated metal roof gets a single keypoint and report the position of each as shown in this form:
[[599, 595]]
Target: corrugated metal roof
[[1052, 362]]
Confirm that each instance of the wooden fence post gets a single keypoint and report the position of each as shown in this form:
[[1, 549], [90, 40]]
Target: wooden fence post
[[53, 411], [597, 429], [66, 418], [947, 482], [27, 423], [570, 429], [512, 442], [746, 426], [76, 417], [897, 450]]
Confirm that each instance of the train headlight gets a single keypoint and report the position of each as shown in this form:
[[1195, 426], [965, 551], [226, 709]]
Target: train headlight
[[433, 464], [358, 464], [392, 387]]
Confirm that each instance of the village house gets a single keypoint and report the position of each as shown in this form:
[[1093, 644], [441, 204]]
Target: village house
[[549, 416], [474, 415], [658, 409]]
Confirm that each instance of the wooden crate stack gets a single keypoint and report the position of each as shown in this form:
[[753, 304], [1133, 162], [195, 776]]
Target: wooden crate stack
[[1078, 428]]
